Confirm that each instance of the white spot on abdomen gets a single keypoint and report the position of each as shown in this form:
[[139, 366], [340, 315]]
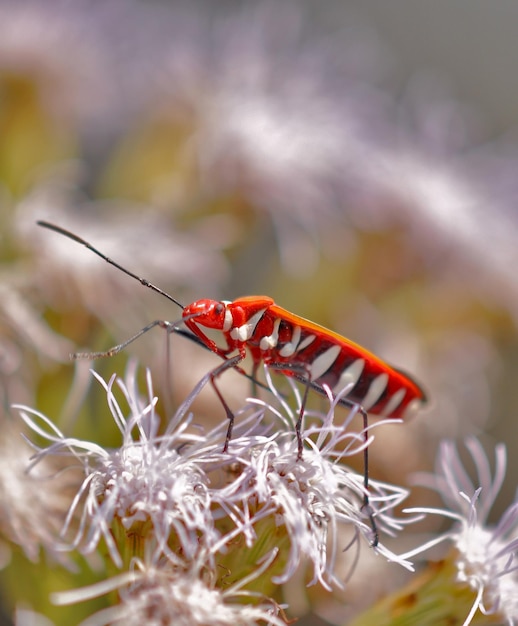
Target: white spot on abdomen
[[323, 362], [244, 332], [350, 376], [270, 341], [377, 387], [306, 342], [289, 348], [394, 402], [227, 324], [412, 408]]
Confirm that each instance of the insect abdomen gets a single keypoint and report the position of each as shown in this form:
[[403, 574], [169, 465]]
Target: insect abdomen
[[379, 388]]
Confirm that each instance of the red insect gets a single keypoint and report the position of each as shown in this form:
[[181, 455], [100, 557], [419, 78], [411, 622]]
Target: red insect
[[311, 353], [291, 345], [297, 347]]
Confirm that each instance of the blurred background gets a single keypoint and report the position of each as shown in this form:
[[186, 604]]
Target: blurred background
[[356, 161]]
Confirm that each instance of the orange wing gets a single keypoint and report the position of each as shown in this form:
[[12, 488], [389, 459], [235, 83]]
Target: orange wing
[[347, 344]]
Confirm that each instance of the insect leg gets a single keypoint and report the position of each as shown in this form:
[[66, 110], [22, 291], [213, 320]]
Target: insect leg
[[252, 377], [303, 374], [298, 425], [230, 363], [169, 326], [366, 502]]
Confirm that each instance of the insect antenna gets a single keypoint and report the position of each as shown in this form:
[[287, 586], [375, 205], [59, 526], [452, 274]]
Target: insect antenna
[[170, 327], [142, 281]]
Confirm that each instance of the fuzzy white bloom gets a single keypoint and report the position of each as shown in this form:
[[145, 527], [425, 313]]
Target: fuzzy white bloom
[[158, 596], [176, 502], [33, 504], [149, 478], [485, 555], [314, 495]]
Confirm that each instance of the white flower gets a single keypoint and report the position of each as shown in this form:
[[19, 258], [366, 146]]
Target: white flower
[[484, 554], [181, 598], [149, 478], [313, 496], [33, 504], [201, 519]]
